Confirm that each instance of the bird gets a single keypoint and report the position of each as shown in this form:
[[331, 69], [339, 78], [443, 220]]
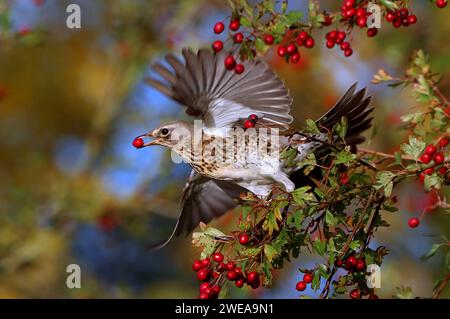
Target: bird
[[224, 100]]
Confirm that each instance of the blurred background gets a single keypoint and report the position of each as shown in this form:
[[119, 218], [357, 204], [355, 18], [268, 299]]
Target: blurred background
[[73, 190]]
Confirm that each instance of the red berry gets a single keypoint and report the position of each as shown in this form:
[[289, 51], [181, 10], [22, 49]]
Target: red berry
[[333, 34], [239, 283], [341, 36], [217, 45], [215, 274], [413, 222], [239, 69], [138, 142], [197, 265], [221, 267], [253, 117], [307, 278], [203, 274], [303, 35], [295, 57], [355, 294], [309, 43], [281, 51], [339, 263], [361, 13], [204, 295], [330, 44], [291, 49], [412, 19], [430, 150], [372, 32], [344, 178], [204, 286], [425, 158], [300, 286], [349, 3], [328, 20], [350, 262], [252, 277], [403, 13], [244, 239], [215, 290], [217, 257], [361, 22], [205, 262], [249, 124], [439, 158], [219, 27], [428, 171], [230, 62], [441, 3], [350, 13], [268, 39], [443, 142], [348, 52], [238, 37], [360, 265], [234, 25], [443, 170], [231, 275], [231, 265], [390, 16], [238, 271], [345, 46]]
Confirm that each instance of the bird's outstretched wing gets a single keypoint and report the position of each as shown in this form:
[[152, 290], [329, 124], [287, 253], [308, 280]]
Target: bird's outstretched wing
[[221, 97], [203, 200]]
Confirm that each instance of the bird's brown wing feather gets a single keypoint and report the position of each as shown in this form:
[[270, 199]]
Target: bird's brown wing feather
[[203, 84], [203, 200]]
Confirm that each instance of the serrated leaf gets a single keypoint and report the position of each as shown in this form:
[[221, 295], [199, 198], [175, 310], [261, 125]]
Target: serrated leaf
[[354, 245], [432, 181], [311, 126], [294, 17], [330, 220], [385, 180], [302, 195], [345, 157], [414, 147], [270, 252]]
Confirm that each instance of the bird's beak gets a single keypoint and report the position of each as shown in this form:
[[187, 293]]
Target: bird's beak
[[151, 135]]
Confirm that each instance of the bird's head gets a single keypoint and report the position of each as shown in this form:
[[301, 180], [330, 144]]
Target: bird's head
[[170, 135]]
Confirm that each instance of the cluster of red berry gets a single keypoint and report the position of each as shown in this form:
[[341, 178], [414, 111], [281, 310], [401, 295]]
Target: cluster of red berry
[[431, 154], [357, 16], [217, 270], [401, 17], [301, 285], [337, 37], [290, 51], [230, 61], [354, 264], [251, 121]]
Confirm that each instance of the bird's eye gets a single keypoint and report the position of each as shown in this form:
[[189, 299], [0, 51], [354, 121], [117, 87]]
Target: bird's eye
[[164, 132]]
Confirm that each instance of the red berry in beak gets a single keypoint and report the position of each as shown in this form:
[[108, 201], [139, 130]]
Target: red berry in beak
[[138, 142], [248, 124]]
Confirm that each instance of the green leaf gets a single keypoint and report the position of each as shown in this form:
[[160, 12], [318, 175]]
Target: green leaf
[[302, 195], [385, 180], [320, 246], [330, 220], [432, 181], [345, 157], [311, 126], [389, 4], [294, 16], [414, 148], [309, 161], [224, 292], [354, 245], [245, 22], [260, 45], [404, 293], [270, 252]]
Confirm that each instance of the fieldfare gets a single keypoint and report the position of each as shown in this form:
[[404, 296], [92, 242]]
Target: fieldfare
[[223, 100]]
